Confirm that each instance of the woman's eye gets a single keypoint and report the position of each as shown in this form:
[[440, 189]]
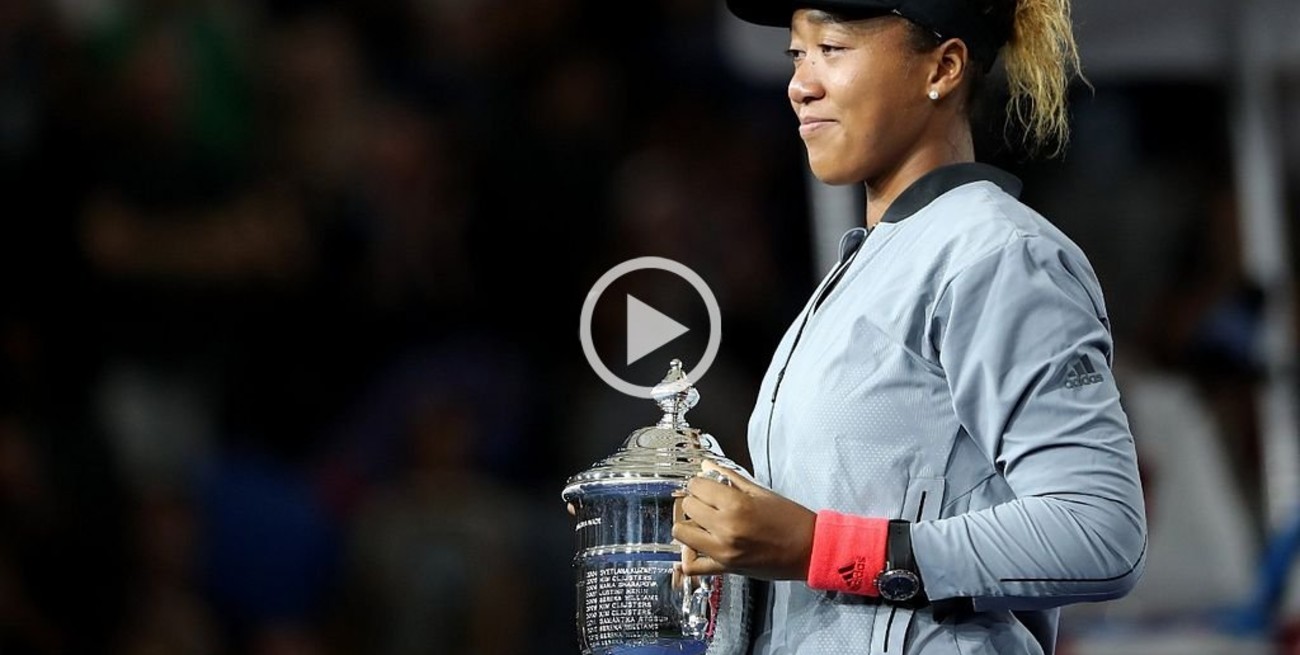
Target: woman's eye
[[794, 55], [829, 49]]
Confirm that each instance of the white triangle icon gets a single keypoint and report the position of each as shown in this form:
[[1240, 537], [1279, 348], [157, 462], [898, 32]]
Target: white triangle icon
[[648, 329]]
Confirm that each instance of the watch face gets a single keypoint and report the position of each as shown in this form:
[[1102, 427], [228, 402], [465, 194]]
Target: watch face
[[898, 585]]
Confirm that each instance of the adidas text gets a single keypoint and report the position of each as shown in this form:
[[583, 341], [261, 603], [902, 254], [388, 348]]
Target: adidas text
[[1081, 373], [1075, 382]]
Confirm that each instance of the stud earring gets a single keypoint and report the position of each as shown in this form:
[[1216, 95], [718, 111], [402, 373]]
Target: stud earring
[[934, 94]]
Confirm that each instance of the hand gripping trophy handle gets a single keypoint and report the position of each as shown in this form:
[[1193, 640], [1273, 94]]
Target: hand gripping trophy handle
[[699, 597]]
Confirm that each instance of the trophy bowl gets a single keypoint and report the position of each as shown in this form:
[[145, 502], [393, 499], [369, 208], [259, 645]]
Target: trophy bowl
[[630, 598]]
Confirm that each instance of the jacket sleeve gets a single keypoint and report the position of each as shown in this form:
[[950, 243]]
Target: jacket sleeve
[[1022, 336]]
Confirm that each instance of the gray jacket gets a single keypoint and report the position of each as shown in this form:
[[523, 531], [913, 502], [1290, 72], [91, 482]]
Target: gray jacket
[[954, 371]]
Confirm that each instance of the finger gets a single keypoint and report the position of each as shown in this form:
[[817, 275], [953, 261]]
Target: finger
[[680, 576], [737, 478], [694, 537], [689, 555], [710, 492], [698, 512], [680, 515], [694, 563], [703, 565]]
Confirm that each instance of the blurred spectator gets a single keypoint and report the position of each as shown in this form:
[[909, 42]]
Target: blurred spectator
[[270, 553], [371, 441], [1161, 217], [27, 623], [417, 210], [60, 551], [438, 547], [168, 611], [183, 242]]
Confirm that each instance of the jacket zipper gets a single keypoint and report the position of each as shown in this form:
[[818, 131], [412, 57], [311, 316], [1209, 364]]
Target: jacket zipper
[[780, 375]]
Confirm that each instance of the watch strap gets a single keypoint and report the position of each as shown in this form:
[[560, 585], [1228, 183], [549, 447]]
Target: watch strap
[[898, 551], [898, 546]]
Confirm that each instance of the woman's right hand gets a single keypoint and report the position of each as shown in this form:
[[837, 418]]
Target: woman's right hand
[[742, 527]]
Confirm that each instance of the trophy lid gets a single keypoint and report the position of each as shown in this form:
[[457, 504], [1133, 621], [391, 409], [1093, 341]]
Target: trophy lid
[[670, 450]]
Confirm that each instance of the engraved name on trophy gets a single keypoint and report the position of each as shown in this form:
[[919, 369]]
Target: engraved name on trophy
[[629, 601]]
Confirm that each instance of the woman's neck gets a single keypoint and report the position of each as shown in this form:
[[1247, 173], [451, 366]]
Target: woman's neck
[[882, 190]]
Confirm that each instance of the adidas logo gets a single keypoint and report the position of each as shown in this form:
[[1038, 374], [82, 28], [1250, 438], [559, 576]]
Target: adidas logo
[[1081, 373], [853, 572]]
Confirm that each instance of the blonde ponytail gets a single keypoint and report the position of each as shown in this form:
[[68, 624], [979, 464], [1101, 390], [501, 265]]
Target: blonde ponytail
[[1040, 60]]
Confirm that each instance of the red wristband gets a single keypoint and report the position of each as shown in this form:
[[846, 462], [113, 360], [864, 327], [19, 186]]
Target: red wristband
[[848, 553]]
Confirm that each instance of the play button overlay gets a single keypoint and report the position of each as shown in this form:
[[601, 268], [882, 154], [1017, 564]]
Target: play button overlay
[[648, 329]]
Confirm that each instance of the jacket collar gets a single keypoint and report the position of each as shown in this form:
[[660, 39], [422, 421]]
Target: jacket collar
[[928, 187], [944, 179]]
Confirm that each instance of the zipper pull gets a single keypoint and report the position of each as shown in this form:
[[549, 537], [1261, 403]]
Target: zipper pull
[[780, 375]]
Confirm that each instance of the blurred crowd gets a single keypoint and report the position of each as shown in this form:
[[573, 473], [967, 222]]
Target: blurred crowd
[[288, 358]]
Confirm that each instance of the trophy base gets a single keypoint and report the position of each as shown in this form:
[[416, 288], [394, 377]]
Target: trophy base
[[666, 647]]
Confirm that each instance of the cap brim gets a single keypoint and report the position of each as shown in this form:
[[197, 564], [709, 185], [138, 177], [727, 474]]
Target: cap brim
[[777, 13], [772, 13]]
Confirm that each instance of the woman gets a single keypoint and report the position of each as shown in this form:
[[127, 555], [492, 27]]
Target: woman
[[941, 455]]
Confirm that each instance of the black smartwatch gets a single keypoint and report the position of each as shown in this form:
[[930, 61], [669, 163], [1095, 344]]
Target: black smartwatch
[[899, 582]]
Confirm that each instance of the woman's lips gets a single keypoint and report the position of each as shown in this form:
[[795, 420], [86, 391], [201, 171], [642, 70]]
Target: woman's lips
[[809, 126]]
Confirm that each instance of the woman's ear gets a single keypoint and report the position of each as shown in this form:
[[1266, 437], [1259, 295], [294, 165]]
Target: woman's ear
[[950, 61]]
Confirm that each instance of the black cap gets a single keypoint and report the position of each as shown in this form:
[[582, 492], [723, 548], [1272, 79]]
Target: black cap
[[984, 32]]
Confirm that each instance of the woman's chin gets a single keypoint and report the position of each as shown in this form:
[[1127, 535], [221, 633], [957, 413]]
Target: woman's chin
[[833, 177], [829, 170]]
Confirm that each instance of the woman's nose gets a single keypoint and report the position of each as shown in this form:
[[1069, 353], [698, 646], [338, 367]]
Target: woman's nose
[[803, 86]]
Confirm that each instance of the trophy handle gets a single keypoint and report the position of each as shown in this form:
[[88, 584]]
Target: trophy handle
[[697, 609], [697, 598]]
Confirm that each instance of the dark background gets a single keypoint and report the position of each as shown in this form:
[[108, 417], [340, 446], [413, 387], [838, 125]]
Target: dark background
[[288, 348]]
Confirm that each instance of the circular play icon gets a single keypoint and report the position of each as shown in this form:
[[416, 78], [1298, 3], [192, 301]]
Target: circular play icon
[[648, 329]]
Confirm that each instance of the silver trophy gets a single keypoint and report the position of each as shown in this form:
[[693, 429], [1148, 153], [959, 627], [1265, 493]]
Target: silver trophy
[[630, 601]]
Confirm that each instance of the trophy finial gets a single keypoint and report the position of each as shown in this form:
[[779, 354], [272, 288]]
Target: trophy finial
[[675, 396]]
